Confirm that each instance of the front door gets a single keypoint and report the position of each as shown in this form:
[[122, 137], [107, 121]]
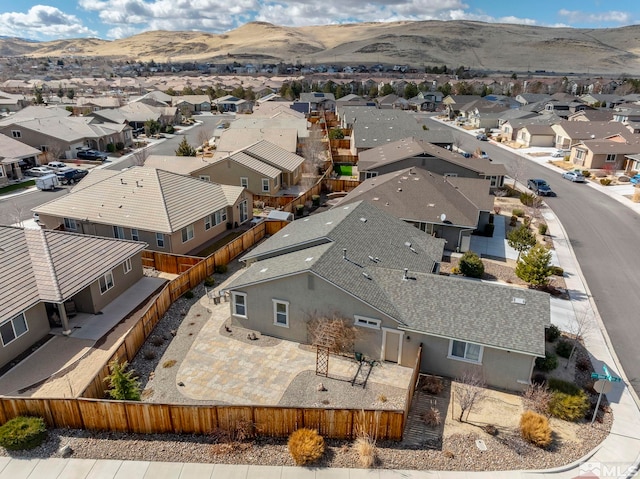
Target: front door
[[392, 345]]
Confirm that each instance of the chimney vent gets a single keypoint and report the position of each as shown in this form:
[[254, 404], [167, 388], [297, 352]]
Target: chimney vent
[[344, 253]]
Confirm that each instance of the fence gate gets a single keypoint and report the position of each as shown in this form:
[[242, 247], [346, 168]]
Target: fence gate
[[322, 361]]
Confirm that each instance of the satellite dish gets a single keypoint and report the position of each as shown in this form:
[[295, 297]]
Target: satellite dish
[[443, 217]]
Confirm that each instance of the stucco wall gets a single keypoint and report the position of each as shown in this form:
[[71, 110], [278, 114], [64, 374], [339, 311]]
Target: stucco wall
[[38, 325], [229, 172]]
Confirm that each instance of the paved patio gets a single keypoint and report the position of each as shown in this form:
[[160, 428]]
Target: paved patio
[[224, 369]]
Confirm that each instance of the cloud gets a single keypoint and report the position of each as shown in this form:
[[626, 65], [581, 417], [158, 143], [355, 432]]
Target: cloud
[[613, 16], [42, 21]]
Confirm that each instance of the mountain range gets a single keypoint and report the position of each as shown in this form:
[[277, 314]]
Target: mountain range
[[476, 45]]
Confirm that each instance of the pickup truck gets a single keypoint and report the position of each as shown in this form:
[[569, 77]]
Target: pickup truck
[[91, 155], [68, 176]]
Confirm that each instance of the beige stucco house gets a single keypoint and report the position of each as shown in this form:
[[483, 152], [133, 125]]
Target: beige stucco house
[[15, 157], [46, 273], [605, 153], [170, 212], [379, 274]]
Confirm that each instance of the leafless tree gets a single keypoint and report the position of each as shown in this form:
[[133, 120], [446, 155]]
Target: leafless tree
[[331, 331], [204, 136], [469, 390], [456, 142], [518, 169], [314, 152], [536, 398], [15, 212], [55, 151], [140, 156], [579, 329]]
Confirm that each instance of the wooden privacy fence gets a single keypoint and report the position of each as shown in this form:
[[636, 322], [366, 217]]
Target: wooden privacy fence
[[168, 263], [333, 185], [146, 418], [413, 383], [189, 279]]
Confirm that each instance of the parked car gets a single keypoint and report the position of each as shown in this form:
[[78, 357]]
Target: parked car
[[68, 176], [91, 155], [39, 171], [540, 187], [574, 176], [635, 179], [465, 154], [56, 165], [482, 137], [484, 155], [560, 153]]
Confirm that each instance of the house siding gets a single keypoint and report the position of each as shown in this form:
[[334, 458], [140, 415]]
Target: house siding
[[38, 324], [229, 172]]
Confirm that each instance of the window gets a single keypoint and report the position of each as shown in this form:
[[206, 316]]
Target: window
[[13, 328], [220, 216], [239, 304], [16, 134], [106, 282], [370, 174], [580, 154], [265, 185], [118, 232], [160, 240], [465, 351], [70, 224], [1, 171], [205, 177], [281, 313], [244, 182], [367, 322], [127, 265], [187, 233], [611, 158], [208, 221], [135, 235], [275, 180]]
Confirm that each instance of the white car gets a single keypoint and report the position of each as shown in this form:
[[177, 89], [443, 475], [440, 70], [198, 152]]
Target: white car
[[560, 153], [56, 165], [39, 171]]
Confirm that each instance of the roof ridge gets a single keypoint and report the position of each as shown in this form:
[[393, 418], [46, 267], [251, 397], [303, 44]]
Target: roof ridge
[[30, 235], [165, 208]]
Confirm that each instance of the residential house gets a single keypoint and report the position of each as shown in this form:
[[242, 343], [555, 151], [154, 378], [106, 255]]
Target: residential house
[[632, 164], [591, 115], [191, 103], [53, 130], [413, 152], [453, 103], [379, 274], [602, 100], [510, 128], [170, 212], [46, 273], [627, 114], [514, 114], [609, 152], [231, 104], [387, 102], [10, 102], [15, 157], [536, 135], [85, 105], [318, 101], [528, 98], [448, 207], [570, 133], [426, 101], [138, 113]]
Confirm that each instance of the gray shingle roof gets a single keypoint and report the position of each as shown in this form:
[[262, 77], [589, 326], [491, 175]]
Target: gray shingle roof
[[52, 266], [274, 156], [145, 198], [419, 195], [365, 232], [469, 310]]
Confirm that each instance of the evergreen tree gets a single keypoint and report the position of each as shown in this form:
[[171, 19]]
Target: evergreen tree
[[185, 149], [471, 265], [70, 93], [521, 239], [410, 90], [123, 385], [535, 266], [387, 89]]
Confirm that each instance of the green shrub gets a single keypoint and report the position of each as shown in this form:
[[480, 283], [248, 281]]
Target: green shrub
[[565, 387], [209, 282], [119, 146], [170, 129], [569, 407], [535, 429], [315, 200], [336, 134], [513, 221], [586, 173], [188, 294], [548, 363], [455, 270], [563, 348], [527, 199], [111, 148], [552, 333], [471, 265], [220, 269], [22, 433], [605, 181], [557, 270], [306, 446], [542, 229], [123, 385], [299, 210], [517, 212]]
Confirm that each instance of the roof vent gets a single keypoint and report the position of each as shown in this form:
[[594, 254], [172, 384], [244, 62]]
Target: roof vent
[[405, 275], [375, 260], [344, 253], [515, 300], [399, 189], [364, 220], [366, 275], [309, 258], [264, 270]]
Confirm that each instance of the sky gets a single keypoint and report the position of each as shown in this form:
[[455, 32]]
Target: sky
[[112, 19]]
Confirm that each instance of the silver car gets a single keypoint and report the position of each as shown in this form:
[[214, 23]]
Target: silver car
[[574, 176], [39, 171]]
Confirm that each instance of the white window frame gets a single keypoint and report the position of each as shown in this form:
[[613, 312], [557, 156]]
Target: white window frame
[[580, 154], [126, 266], [234, 301], [13, 328], [364, 322], [16, 134], [187, 233], [370, 174], [265, 185], [277, 302], [208, 222], [160, 240], [118, 232], [465, 359], [1, 171], [70, 224], [135, 234], [244, 182], [611, 158], [107, 284]]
